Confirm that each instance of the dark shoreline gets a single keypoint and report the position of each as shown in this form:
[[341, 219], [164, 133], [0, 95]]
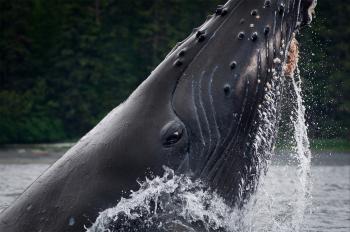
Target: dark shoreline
[[340, 145], [49, 153]]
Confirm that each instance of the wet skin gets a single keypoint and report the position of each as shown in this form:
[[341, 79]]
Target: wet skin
[[195, 113]]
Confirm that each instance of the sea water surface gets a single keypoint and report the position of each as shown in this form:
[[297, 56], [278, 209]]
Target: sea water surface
[[328, 208]]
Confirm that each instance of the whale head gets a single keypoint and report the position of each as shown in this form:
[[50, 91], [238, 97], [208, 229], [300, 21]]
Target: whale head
[[231, 67]]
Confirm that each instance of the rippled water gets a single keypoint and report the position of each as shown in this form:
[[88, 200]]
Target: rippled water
[[329, 209]]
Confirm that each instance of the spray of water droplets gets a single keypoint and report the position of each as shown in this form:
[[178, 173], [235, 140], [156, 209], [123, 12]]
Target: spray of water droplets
[[168, 203], [301, 153], [284, 193]]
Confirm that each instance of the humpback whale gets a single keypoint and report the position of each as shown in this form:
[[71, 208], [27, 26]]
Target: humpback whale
[[197, 113]]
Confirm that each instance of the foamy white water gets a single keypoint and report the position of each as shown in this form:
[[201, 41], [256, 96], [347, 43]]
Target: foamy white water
[[301, 154]]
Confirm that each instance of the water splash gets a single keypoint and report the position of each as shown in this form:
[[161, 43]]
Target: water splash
[[301, 153], [168, 203], [288, 186]]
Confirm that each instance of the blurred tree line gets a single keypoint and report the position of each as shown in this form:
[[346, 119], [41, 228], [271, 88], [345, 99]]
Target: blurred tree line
[[65, 64]]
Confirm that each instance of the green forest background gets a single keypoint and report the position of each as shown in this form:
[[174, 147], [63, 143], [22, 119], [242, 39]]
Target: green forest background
[[65, 64]]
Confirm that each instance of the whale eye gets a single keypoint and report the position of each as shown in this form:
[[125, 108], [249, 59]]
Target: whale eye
[[171, 133], [173, 138]]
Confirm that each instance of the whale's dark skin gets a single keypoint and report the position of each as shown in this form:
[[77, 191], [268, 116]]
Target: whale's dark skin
[[195, 113]]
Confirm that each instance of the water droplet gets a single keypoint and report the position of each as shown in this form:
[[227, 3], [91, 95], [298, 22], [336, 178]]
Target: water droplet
[[241, 35], [268, 85], [251, 25], [71, 221], [254, 36]]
